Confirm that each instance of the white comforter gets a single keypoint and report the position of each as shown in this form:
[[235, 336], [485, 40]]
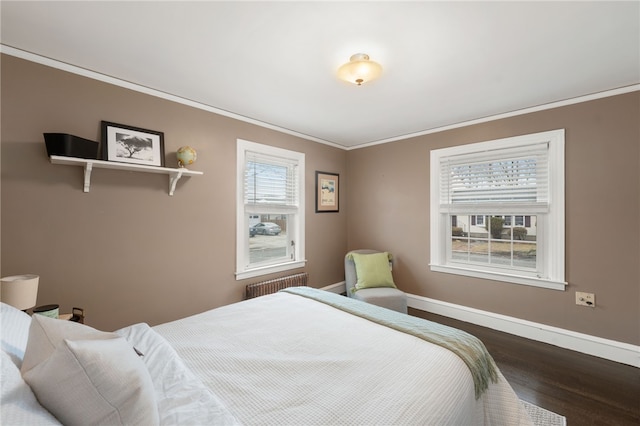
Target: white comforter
[[283, 359]]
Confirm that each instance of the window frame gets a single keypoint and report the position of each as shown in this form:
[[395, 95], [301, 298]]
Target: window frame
[[550, 225], [295, 223]]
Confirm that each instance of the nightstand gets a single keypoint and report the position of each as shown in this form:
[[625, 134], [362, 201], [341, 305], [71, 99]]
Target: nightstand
[[76, 315]]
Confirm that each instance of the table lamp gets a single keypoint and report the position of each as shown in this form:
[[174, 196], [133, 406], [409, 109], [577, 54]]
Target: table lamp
[[19, 291]]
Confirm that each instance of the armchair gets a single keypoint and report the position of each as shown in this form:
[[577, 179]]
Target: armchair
[[375, 284]]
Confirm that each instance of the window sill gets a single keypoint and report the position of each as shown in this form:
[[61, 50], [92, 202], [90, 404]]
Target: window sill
[[496, 276], [256, 272]]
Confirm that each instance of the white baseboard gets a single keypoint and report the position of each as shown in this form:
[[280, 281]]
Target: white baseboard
[[337, 288], [624, 353]]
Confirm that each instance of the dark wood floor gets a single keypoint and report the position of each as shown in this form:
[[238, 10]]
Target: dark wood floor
[[587, 390]]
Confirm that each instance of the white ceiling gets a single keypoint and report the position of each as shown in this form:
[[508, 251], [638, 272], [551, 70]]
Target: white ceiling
[[275, 62]]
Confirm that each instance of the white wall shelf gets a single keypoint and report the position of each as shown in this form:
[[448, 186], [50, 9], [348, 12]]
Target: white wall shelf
[[89, 165]]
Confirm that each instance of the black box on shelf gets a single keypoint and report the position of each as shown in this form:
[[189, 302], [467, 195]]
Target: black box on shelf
[[70, 146]]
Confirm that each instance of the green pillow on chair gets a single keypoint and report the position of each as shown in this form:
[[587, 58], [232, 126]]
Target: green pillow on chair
[[373, 270]]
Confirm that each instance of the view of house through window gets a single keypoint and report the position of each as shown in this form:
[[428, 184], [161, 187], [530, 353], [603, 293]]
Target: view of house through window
[[498, 240]]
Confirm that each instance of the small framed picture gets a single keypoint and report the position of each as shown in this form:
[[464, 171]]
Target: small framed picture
[[126, 144], [327, 192]]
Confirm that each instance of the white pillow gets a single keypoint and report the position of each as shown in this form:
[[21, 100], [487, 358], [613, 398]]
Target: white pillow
[[85, 376], [19, 405], [182, 397], [14, 331], [46, 334]]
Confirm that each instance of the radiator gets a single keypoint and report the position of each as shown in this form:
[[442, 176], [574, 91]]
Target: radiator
[[271, 286]]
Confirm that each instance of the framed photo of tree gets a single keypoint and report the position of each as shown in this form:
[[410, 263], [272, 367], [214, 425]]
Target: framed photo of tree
[[127, 144]]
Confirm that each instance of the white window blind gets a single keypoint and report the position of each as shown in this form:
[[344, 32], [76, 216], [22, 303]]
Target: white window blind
[[495, 181], [270, 183]]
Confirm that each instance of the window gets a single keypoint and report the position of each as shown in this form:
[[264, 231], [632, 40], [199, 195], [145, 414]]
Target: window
[[519, 220], [497, 210], [477, 220], [270, 210]]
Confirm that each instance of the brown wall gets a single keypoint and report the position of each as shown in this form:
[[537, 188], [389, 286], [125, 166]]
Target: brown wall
[[389, 209], [126, 251]]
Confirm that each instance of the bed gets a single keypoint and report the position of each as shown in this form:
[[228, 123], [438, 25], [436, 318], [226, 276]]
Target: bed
[[297, 357]]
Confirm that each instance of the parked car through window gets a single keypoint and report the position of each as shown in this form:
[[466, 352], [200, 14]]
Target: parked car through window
[[265, 228]]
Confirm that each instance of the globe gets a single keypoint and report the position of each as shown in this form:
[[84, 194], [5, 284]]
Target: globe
[[186, 156]]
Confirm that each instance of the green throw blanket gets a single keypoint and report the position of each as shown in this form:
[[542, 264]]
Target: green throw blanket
[[469, 348]]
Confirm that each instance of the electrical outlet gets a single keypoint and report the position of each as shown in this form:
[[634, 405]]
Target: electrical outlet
[[585, 299]]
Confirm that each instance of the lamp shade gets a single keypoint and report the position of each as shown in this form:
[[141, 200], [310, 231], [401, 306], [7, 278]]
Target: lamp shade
[[360, 69], [19, 291]]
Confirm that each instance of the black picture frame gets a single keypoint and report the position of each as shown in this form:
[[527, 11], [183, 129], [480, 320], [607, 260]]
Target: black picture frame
[[145, 147], [327, 192]]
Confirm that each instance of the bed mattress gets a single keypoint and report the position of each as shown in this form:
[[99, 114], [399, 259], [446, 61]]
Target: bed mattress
[[286, 359]]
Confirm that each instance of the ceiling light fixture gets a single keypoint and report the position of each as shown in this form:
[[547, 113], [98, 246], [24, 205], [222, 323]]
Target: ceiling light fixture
[[359, 69]]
